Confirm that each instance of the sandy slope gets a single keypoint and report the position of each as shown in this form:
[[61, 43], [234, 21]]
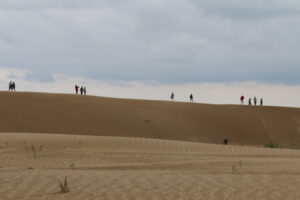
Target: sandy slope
[[88, 115], [132, 168]]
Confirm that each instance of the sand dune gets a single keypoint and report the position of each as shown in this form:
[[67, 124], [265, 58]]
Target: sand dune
[[89, 115], [105, 151], [133, 168]]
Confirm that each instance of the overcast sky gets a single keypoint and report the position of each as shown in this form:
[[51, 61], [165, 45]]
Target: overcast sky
[[170, 42]]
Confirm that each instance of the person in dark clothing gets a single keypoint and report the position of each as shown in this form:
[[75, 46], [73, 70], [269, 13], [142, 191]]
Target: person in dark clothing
[[76, 88], [84, 90], [225, 141], [255, 100], [13, 86], [249, 102], [172, 96], [191, 98], [261, 101], [81, 90], [10, 86]]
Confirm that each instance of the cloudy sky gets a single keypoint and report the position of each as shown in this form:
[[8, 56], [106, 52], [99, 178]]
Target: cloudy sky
[[148, 48]]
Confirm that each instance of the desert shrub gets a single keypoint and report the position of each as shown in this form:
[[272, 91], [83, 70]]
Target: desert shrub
[[64, 186], [271, 144]]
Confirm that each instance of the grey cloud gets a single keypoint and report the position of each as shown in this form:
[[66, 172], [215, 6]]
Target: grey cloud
[[169, 41], [248, 9]]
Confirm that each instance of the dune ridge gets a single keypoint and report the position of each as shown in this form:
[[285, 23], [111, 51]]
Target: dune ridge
[[90, 115]]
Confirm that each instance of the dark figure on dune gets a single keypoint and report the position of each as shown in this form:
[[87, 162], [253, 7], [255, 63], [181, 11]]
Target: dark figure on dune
[[191, 98], [261, 101], [225, 141], [249, 102], [172, 96], [10, 86], [255, 100], [76, 88], [81, 90], [242, 99], [84, 90]]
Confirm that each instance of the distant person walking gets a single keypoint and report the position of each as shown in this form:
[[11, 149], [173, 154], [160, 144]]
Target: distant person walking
[[255, 100], [84, 90], [13, 86], [81, 90], [191, 98], [76, 88], [225, 141], [249, 102], [242, 99], [172, 96], [10, 86], [261, 101]]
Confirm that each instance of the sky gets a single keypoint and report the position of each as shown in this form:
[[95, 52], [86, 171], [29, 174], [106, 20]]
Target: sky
[[215, 49]]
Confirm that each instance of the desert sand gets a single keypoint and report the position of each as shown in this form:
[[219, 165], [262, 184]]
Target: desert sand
[[194, 122], [133, 149]]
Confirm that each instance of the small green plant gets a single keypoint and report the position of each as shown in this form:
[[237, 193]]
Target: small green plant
[[271, 144], [234, 169], [34, 151], [240, 163], [64, 186], [72, 166]]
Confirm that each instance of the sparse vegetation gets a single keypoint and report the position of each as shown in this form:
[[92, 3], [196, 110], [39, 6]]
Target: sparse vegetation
[[72, 166], [34, 151], [64, 186], [240, 163], [271, 144], [234, 169]]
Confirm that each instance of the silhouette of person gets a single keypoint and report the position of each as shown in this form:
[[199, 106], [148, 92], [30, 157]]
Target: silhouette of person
[[249, 102], [76, 88], [81, 90], [242, 99], [261, 101], [13, 86], [191, 98], [10, 86], [255, 100], [225, 141], [172, 96], [84, 90]]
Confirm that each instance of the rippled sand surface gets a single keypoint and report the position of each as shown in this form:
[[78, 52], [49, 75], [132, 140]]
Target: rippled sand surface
[[99, 167]]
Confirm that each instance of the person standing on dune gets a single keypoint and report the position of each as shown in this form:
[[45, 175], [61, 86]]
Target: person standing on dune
[[10, 86], [172, 96], [191, 98], [84, 90], [261, 101], [81, 90], [242, 99], [255, 100], [249, 102], [76, 88], [13, 86]]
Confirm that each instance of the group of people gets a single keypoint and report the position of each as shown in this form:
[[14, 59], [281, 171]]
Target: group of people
[[81, 89], [261, 102], [173, 96], [242, 98], [12, 86]]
